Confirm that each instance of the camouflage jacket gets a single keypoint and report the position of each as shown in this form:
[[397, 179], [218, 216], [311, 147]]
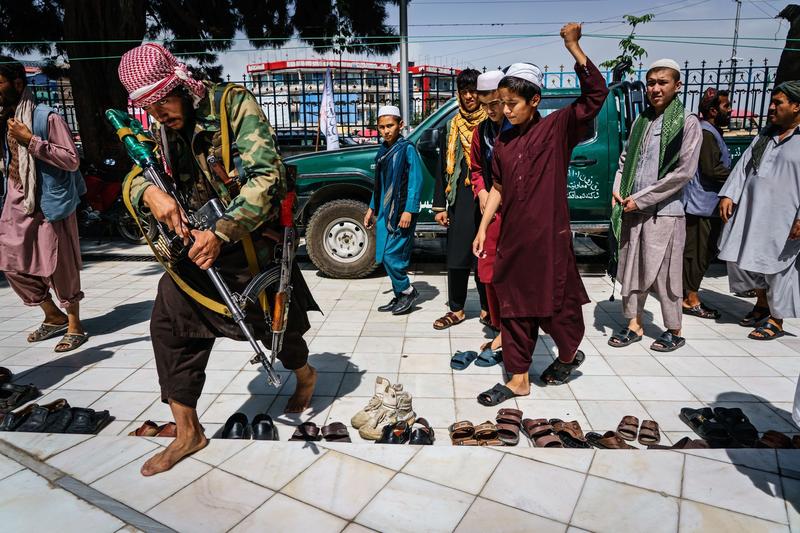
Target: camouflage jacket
[[263, 184]]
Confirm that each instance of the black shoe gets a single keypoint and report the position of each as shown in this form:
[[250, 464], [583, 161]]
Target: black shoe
[[88, 421], [388, 307], [236, 427], [405, 302], [263, 428], [399, 433], [39, 416], [12, 396]]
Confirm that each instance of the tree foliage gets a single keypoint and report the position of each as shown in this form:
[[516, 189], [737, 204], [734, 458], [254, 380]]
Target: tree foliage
[[630, 51], [91, 35]]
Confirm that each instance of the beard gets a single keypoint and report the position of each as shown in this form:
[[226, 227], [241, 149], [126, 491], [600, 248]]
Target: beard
[[723, 120]]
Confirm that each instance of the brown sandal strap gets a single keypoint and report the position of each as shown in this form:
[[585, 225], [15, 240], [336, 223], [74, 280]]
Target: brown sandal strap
[[485, 431], [649, 432], [509, 416], [449, 319], [461, 430], [628, 427], [548, 441], [536, 427]]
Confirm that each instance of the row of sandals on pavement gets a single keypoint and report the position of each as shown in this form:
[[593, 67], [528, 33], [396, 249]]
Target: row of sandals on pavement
[[54, 417]]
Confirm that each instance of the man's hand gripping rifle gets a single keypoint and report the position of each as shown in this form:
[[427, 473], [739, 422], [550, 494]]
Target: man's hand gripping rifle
[[139, 146]]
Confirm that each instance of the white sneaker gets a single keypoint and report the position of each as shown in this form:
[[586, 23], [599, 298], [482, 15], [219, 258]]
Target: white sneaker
[[382, 385]]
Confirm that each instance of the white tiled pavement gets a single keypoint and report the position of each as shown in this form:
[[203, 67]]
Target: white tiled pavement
[[294, 486]]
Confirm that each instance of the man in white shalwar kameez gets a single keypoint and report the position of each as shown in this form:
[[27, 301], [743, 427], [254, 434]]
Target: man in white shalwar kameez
[[648, 220], [760, 205]]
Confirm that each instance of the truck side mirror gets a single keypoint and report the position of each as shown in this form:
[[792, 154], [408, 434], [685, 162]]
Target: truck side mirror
[[428, 143]]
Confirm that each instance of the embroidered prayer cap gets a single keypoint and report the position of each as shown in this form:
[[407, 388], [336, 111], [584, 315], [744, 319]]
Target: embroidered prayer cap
[[488, 81], [666, 63], [526, 71], [149, 72], [389, 111], [791, 89]]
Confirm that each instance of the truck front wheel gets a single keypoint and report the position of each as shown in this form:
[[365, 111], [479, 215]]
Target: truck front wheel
[[337, 241]]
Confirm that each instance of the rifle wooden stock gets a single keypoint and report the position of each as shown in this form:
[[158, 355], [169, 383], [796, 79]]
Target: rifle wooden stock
[[278, 312]]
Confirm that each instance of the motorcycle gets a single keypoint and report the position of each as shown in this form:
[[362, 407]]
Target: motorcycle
[[102, 208]]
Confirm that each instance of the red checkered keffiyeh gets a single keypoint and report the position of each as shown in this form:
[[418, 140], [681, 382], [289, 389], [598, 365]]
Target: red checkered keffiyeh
[[149, 72]]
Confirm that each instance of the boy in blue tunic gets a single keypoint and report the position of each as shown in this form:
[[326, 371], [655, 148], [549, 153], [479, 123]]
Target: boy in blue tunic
[[394, 207]]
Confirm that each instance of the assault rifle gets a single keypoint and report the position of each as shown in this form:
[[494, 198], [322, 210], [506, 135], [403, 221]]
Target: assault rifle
[[140, 145]]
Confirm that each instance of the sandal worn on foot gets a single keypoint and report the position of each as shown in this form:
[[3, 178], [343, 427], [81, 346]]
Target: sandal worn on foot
[[496, 395], [47, 331], [701, 311], [755, 317], [628, 427], [449, 319], [649, 433], [767, 332], [70, 341], [667, 342], [462, 360], [559, 372], [624, 338]]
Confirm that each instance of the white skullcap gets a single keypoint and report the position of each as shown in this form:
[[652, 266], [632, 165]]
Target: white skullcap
[[666, 63], [526, 71], [389, 111], [488, 81]]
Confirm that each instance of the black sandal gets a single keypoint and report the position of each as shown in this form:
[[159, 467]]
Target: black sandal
[[558, 372], [624, 338], [767, 332], [668, 342], [757, 315], [701, 311], [496, 395]]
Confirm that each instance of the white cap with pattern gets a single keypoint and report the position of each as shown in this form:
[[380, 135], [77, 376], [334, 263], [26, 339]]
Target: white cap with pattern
[[526, 71]]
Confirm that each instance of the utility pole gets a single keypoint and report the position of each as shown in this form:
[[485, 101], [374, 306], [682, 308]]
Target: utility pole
[[404, 63], [734, 59]]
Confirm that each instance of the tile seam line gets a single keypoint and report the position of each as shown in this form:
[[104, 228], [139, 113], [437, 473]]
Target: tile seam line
[[478, 494], [85, 493]]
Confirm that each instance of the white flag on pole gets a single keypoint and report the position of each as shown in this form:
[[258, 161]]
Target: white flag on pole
[[327, 114]]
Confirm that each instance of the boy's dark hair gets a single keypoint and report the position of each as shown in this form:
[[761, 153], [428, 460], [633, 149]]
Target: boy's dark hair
[[523, 88], [467, 80], [711, 101], [11, 69]]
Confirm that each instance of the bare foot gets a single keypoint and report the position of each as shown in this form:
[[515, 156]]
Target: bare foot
[[520, 390], [173, 454], [301, 399]]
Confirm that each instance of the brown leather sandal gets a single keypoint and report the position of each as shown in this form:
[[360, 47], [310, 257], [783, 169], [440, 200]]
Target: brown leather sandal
[[485, 431], [649, 433], [449, 319], [461, 432], [536, 427], [148, 429], [774, 439], [509, 416], [628, 427]]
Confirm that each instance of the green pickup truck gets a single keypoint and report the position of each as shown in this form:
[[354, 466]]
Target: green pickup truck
[[334, 187]]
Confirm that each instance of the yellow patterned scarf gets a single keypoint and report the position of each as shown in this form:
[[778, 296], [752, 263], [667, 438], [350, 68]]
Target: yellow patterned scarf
[[461, 128]]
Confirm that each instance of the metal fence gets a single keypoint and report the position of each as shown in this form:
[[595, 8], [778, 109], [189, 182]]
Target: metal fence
[[291, 101]]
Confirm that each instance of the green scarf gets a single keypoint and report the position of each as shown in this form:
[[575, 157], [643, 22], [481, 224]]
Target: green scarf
[[668, 157]]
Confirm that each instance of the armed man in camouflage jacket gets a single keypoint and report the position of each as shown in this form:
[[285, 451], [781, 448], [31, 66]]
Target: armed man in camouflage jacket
[[188, 131]]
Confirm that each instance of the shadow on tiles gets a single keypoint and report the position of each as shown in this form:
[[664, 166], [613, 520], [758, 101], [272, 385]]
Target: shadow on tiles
[[121, 317], [53, 372], [732, 308], [330, 386], [427, 292], [3, 281], [764, 416]]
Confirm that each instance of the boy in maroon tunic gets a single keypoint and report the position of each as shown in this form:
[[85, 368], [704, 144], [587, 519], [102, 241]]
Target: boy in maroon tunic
[[535, 275]]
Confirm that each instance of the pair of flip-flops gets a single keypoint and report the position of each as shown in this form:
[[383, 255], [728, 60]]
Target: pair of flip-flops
[[485, 359]]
